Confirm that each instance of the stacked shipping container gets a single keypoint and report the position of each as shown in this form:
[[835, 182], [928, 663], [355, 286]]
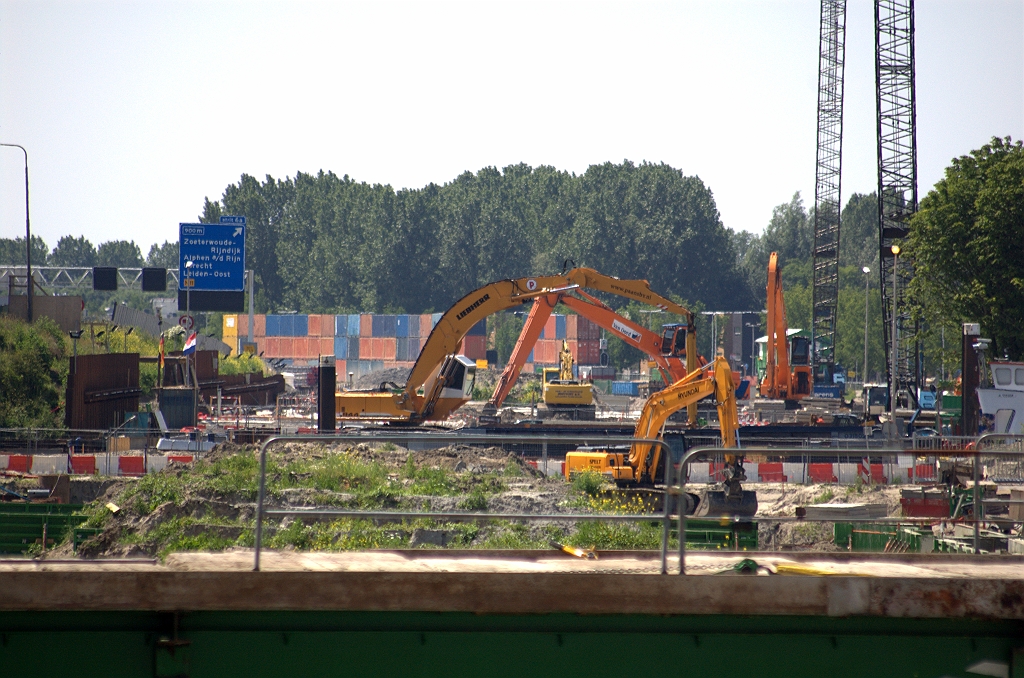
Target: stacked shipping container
[[362, 343]]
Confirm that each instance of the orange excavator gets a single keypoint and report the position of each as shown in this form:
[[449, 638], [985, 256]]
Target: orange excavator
[[442, 381], [674, 351], [787, 374]]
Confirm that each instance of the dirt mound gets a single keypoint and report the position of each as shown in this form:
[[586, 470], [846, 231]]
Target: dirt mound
[[371, 380]]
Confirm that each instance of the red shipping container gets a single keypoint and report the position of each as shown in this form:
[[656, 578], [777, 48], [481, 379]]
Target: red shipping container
[[365, 327], [340, 375], [269, 347], [588, 330], [22, 463], [550, 327], [475, 347], [260, 325], [312, 347], [572, 327], [313, 325], [327, 326], [365, 348], [389, 348], [327, 346], [426, 324], [377, 348]]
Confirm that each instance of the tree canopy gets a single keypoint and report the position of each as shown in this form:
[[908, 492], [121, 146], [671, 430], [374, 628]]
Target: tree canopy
[[33, 370], [323, 243], [967, 243]]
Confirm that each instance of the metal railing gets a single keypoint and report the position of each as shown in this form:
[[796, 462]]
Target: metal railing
[[675, 489], [982, 448], [665, 518]]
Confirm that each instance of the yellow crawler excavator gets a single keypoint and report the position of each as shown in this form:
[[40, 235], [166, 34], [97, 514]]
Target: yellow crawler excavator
[[641, 464], [441, 381]]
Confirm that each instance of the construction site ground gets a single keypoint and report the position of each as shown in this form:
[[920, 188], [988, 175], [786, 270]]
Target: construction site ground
[[210, 505]]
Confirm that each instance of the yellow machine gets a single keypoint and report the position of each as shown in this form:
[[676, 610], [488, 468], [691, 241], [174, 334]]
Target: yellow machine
[[563, 394], [441, 381], [641, 464]]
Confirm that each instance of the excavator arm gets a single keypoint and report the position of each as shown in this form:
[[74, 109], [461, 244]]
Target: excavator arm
[[672, 366], [436, 368], [776, 375], [714, 378]]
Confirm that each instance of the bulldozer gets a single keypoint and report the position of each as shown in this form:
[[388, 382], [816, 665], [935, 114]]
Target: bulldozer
[[640, 465]]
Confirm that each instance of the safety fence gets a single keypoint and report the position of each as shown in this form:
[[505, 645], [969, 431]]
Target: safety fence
[[897, 529]]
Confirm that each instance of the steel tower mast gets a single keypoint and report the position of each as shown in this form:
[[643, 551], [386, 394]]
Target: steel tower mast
[[897, 179], [827, 187]]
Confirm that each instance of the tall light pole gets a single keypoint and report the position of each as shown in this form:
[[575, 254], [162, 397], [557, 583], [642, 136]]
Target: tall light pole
[[28, 233], [892, 374], [867, 288]]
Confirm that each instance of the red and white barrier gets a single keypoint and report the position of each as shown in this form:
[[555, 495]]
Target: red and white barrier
[[89, 464]]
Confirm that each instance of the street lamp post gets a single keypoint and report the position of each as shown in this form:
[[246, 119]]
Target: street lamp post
[[28, 233], [867, 289], [892, 375]]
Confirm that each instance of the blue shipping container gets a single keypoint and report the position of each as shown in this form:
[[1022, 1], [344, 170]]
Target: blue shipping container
[[383, 325], [478, 330], [353, 347], [401, 327], [559, 327], [434, 317], [402, 348], [287, 326], [301, 326], [341, 348], [341, 325], [626, 388], [274, 326], [529, 358], [353, 325]]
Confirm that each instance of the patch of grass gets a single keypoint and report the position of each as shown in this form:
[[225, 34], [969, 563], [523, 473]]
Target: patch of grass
[[508, 535], [616, 535], [588, 483], [476, 501], [512, 469], [824, 497]]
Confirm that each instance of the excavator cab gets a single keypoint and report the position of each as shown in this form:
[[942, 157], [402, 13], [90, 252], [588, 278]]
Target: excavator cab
[[800, 361], [673, 340]]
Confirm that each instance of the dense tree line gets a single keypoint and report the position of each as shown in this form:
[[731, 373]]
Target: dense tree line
[[324, 243]]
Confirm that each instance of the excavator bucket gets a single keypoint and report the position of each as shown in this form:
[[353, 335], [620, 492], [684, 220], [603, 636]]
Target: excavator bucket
[[717, 503]]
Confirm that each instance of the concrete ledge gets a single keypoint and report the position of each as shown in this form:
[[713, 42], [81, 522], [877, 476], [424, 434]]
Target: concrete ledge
[[346, 582]]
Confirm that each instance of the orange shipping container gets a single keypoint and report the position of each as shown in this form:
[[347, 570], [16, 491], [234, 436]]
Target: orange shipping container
[[260, 322], [313, 326], [550, 327], [389, 348], [327, 326], [365, 327], [365, 348], [339, 373], [426, 324], [327, 346], [572, 327]]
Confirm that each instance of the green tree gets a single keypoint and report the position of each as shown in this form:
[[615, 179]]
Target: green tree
[[71, 251], [12, 251], [163, 256], [119, 253], [33, 373], [966, 244]]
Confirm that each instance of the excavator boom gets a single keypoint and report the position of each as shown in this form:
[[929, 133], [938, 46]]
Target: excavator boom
[[443, 378]]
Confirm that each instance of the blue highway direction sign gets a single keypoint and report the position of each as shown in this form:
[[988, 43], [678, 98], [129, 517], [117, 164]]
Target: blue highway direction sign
[[217, 253]]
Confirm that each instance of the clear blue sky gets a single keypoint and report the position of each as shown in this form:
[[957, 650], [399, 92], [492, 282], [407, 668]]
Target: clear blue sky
[[133, 112]]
